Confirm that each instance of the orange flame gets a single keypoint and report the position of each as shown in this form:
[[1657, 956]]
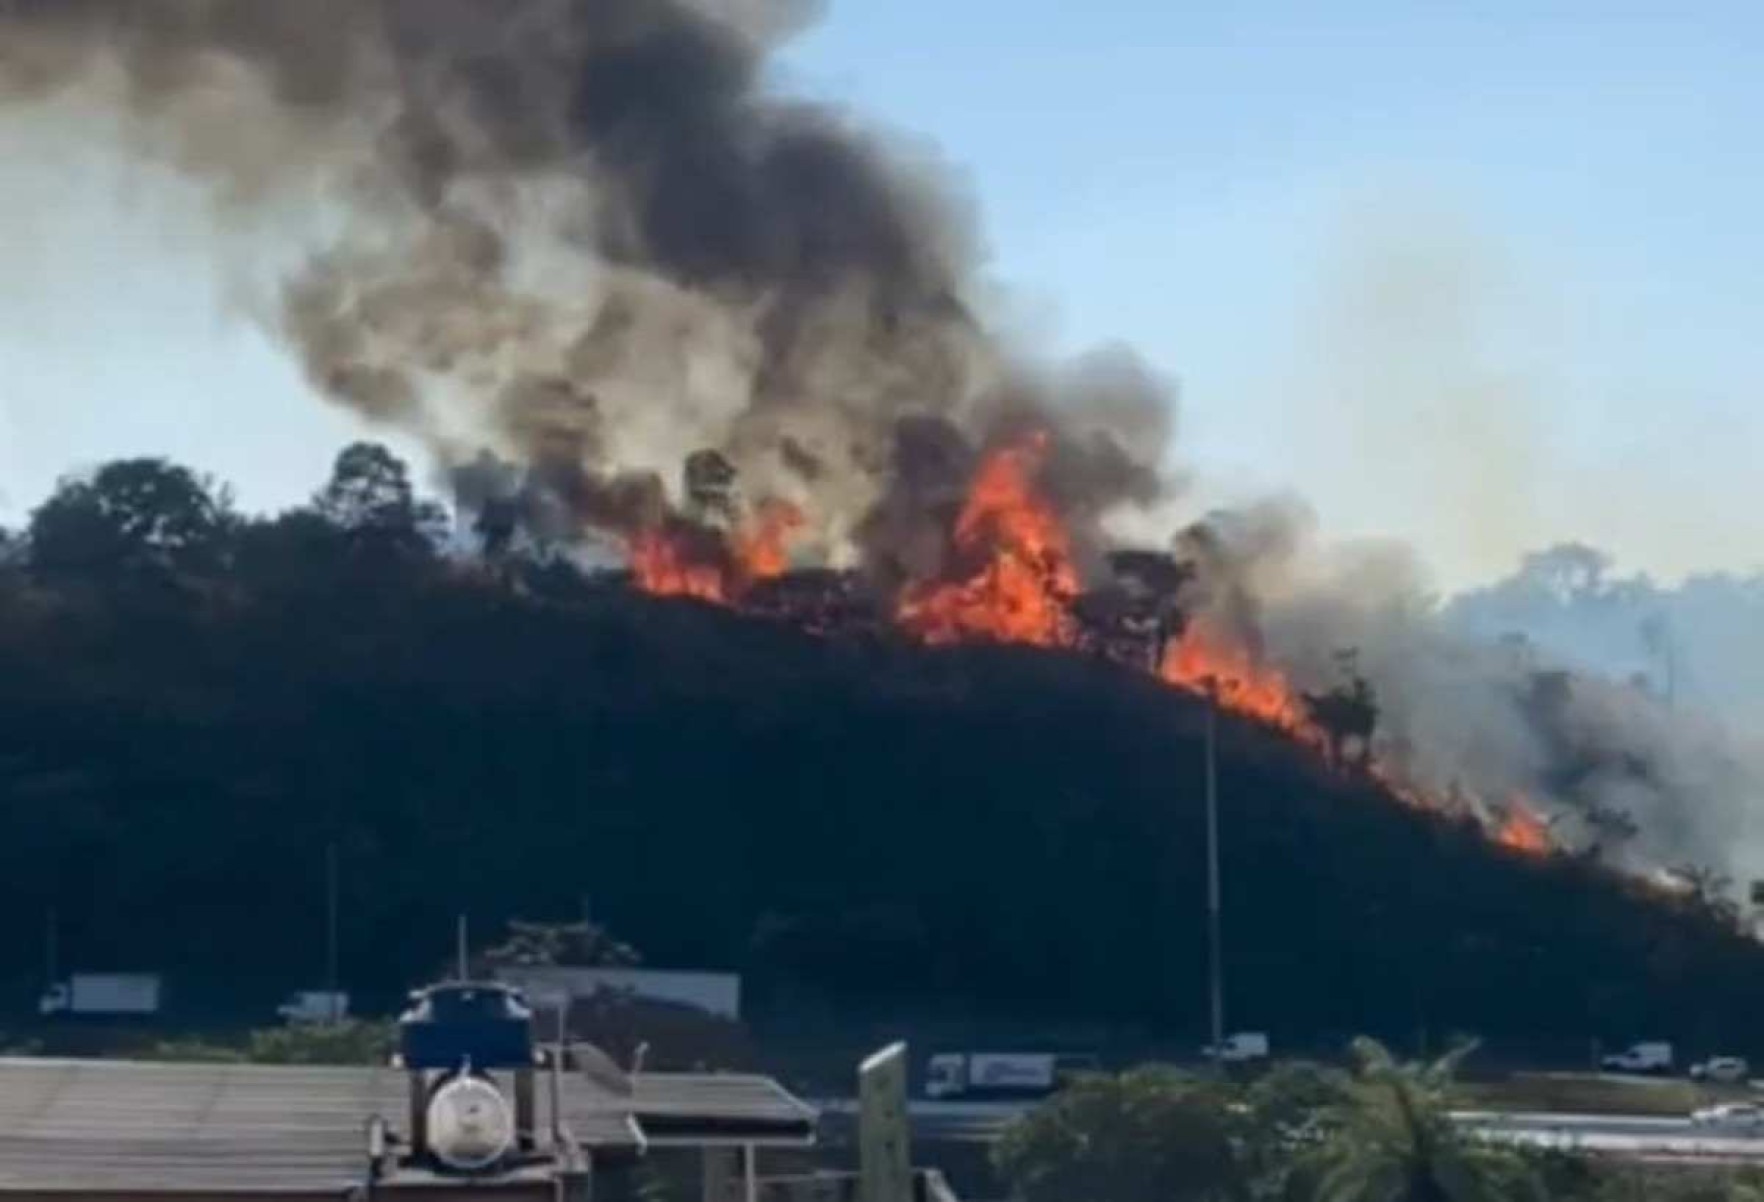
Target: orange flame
[[662, 561], [659, 565], [763, 550], [1024, 583], [1205, 664], [1524, 831], [1019, 587]]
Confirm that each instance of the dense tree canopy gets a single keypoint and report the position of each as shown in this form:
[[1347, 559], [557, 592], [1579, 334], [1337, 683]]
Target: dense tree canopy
[[1149, 1135], [982, 830], [131, 519], [1304, 1133]]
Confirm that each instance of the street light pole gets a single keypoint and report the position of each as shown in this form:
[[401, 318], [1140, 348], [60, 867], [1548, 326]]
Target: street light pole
[[331, 952], [1215, 957]]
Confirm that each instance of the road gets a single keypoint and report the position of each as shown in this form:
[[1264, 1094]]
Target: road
[[1618, 1135], [933, 1122]]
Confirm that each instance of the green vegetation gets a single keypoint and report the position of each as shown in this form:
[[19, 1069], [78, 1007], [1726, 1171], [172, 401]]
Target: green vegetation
[[1569, 1093], [195, 706], [352, 1041], [1149, 1135], [1378, 1133]]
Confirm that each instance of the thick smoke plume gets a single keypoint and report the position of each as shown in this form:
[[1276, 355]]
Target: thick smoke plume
[[620, 287], [584, 234]]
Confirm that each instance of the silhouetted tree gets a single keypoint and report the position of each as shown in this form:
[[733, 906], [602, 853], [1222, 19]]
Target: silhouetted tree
[[1347, 714], [548, 944], [133, 518], [370, 496]]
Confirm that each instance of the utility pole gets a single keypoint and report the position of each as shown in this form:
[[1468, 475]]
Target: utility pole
[[1657, 636], [460, 938], [332, 983], [1671, 671], [1215, 956], [51, 949]]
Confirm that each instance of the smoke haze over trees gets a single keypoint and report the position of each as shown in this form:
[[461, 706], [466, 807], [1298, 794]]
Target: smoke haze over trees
[[1697, 643]]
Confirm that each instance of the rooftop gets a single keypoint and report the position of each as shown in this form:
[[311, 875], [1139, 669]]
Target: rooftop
[[71, 1126]]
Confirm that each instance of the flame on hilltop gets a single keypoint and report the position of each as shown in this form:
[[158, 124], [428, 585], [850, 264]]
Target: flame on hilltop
[[1010, 578], [762, 551], [1019, 581], [1524, 831], [1203, 663], [663, 562]]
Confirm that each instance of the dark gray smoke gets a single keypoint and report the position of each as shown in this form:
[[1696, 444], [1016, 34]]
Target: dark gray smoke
[[585, 234], [617, 284]]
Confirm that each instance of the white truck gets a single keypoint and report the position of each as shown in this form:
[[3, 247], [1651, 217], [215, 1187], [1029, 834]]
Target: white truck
[[1001, 1074], [103, 995], [1652, 1056], [1242, 1047], [314, 1006]]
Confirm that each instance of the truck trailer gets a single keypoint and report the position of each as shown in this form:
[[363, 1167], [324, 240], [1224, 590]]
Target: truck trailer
[[104, 995], [1001, 1074]]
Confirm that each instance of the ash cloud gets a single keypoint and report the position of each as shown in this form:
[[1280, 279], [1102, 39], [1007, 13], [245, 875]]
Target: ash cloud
[[585, 235]]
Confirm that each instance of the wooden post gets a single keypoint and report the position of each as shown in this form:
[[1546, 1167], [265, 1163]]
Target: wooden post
[[885, 1158]]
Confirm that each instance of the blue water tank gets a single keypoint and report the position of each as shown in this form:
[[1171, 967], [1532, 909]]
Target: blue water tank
[[485, 1023]]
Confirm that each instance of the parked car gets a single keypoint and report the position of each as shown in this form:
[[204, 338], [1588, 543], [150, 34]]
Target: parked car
[[1730, 1116], [1725, 1069]]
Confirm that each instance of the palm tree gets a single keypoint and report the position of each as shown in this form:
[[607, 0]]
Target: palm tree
[[1392, 1139]]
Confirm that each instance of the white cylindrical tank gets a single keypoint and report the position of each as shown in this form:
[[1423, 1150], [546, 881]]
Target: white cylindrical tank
[[470, 1124]]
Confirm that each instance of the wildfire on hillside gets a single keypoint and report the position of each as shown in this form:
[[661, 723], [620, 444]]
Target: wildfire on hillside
[[1015, 580], [1202, 663], [661, 565], [1010, 575], [1523, 830], [689, 561], [762, 550]]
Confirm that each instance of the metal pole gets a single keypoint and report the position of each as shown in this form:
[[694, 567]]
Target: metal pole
[[1216, 972], [51, 949], [460, 936], [1671, 672], [331, 908]]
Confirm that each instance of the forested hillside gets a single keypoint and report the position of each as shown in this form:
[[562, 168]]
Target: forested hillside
[[193, 706]]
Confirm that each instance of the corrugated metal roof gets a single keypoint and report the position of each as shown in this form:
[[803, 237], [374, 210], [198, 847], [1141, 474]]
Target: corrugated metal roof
[[74, 1124], [70, 1124], [680, 1106]]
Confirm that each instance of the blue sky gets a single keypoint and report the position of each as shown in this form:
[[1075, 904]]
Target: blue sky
[[1477, 279]]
